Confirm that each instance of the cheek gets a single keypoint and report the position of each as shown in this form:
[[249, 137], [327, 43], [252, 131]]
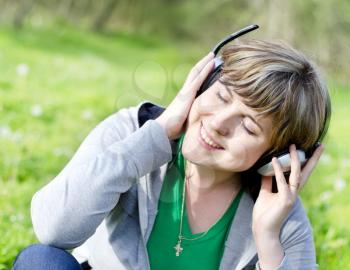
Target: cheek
[[196, 110], [203, 105], [193, 114], [243, 154], [190, 149], [206, 101]]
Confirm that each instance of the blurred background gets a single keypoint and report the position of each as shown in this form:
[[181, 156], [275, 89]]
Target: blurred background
[[66, 65]]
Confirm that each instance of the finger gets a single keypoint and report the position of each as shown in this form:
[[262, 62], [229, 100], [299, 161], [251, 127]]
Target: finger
[[280, 179], [294, 179], [311, 164], [185, 97], [188, 92], [266, 184], [195, 71], [197, 82]]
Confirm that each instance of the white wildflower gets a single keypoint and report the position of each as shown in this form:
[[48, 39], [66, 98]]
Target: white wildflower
[[22, 69], [5, 132], [325, 196], [87, 114], [36, 110], [339, 184]]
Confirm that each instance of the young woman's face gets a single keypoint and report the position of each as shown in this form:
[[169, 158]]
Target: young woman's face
[[223, 133]]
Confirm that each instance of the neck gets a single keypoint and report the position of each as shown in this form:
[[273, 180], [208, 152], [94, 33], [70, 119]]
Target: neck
[[204, 180]]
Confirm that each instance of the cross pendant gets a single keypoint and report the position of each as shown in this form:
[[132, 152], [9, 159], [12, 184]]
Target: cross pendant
[[178, 248]]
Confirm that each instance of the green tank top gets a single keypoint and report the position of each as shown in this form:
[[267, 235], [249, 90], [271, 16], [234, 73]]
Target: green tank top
[[204, 253]]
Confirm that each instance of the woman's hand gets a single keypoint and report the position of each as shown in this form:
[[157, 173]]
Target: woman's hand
[[271, 209], [175, 115]]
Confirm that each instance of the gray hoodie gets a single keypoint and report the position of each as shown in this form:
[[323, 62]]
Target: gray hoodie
[[103, 203]]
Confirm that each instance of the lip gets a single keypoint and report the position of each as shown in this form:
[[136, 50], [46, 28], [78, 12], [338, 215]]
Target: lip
[[203, 143]]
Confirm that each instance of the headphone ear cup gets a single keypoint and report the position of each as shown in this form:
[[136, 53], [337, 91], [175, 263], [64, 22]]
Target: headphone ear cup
[[211, 78]]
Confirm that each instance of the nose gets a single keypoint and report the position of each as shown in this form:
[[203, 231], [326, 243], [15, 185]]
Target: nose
[[220, 122]]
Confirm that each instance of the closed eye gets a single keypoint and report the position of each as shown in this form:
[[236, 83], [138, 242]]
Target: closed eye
[[249, 132], [221, 98], [247, 129]]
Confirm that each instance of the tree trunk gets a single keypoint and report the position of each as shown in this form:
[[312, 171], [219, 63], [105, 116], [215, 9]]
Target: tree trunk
[[104, 15], [23, 10]]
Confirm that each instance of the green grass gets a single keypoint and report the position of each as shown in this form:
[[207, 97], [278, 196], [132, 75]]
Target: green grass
[[57, 83]]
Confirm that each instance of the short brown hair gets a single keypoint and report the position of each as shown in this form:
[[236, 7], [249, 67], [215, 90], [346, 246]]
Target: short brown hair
[[277, 80]]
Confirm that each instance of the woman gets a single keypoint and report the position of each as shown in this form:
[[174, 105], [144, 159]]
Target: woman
[[151, 188]]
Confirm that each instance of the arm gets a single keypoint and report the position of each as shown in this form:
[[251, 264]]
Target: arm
[[295, 242], [67, 211], [114, 155], [271, 210], [270, 251]]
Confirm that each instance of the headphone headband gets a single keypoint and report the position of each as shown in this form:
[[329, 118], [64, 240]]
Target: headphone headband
[[218, 62], [233, 36]]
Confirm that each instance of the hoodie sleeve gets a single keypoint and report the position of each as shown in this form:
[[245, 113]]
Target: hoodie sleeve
[[115, 154]]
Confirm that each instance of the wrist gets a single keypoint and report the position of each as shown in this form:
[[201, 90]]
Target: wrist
[[171, 130], [265, 234], [269, 249], [271, 230], [161, 122]]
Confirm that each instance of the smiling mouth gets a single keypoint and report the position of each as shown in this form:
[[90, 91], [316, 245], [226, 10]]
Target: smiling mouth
[[206, 141]]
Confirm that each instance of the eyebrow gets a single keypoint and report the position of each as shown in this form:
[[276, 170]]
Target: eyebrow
[[247, 115]]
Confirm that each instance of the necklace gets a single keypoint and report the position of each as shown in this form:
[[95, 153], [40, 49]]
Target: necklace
[[178, 247]]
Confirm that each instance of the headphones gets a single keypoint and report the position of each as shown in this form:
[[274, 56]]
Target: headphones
[[264, 165]]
